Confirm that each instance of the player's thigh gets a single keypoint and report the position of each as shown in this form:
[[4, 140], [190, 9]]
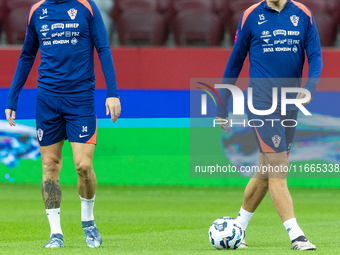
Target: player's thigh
[[51, 127], [260, 173], [278, 164], [83, 155], [51, 156], [81, 120], [269, 132]]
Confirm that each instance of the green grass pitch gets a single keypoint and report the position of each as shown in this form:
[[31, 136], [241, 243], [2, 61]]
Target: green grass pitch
[[163, 220]]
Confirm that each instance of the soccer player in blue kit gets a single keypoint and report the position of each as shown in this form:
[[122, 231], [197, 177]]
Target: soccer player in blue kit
[[66, 32], [276, 33]]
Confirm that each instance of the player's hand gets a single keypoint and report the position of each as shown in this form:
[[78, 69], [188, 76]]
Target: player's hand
[[113, 106], [221, 124], [10, 116], [302, 95]]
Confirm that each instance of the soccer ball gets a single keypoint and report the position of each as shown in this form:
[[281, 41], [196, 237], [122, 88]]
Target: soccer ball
[[226, 233]]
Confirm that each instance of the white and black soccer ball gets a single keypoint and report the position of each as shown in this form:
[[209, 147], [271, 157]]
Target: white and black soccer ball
[[226, 233]]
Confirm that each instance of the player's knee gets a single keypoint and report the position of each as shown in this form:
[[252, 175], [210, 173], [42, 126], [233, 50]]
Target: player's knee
[[262, 184], [51, 166], [84, 169], [277, 183]]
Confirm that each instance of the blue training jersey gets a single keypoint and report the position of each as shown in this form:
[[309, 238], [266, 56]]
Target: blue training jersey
[[66, 32], [276, 43]]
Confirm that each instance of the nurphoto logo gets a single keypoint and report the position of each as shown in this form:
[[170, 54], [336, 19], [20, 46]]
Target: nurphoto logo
[[238, 102]]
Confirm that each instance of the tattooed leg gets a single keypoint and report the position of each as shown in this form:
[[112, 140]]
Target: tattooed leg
[[51, 164], [51, 193], [50, 188]]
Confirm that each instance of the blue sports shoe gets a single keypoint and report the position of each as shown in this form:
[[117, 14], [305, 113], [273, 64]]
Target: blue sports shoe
[[93, 237], [56, 241]]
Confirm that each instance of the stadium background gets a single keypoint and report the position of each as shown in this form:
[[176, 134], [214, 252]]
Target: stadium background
[[150, 143]]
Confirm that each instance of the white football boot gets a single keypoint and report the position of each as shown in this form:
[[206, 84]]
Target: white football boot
[[303, 244], [243, 242]]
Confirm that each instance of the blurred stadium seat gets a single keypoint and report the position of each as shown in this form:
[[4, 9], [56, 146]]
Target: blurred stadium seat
[[240, 5], [198, 25], [15, 26], [15, 19], [316, 6], [334, 5], [180, 5], [233, 13], [123, 5], [13, 15], [221, 7], [140, 21], [16, 4], [164, 5], [327, 27], [141, 25], [2, 14]]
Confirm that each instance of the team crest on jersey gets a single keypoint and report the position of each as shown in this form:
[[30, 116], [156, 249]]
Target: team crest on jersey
[[276, 140], [40, 134], [72, 13], [295, 20]]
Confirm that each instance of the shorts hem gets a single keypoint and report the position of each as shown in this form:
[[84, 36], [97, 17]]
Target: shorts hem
[[49, 143]]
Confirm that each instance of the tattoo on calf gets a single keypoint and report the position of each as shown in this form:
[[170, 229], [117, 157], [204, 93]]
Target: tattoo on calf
[[51, 193]]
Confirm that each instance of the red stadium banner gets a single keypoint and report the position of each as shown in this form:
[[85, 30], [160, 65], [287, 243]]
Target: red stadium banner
[[161, 68]]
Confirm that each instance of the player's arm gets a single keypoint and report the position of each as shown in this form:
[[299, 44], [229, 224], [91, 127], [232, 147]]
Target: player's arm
[[24, 66], [101, 42], [234, 66], [313, 50]]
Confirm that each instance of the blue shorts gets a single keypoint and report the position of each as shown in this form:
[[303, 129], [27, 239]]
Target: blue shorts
[[274, 132], [60, 118]]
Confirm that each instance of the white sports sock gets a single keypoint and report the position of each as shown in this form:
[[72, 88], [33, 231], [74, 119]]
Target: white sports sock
[[53, 216], [244, 217], [87, 209], [293, 229]]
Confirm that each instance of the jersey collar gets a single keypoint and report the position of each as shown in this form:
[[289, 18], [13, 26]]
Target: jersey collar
[[271, 9]]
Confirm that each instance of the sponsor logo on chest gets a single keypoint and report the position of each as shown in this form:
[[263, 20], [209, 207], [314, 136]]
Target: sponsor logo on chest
[[57, 25], [280, 32]]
